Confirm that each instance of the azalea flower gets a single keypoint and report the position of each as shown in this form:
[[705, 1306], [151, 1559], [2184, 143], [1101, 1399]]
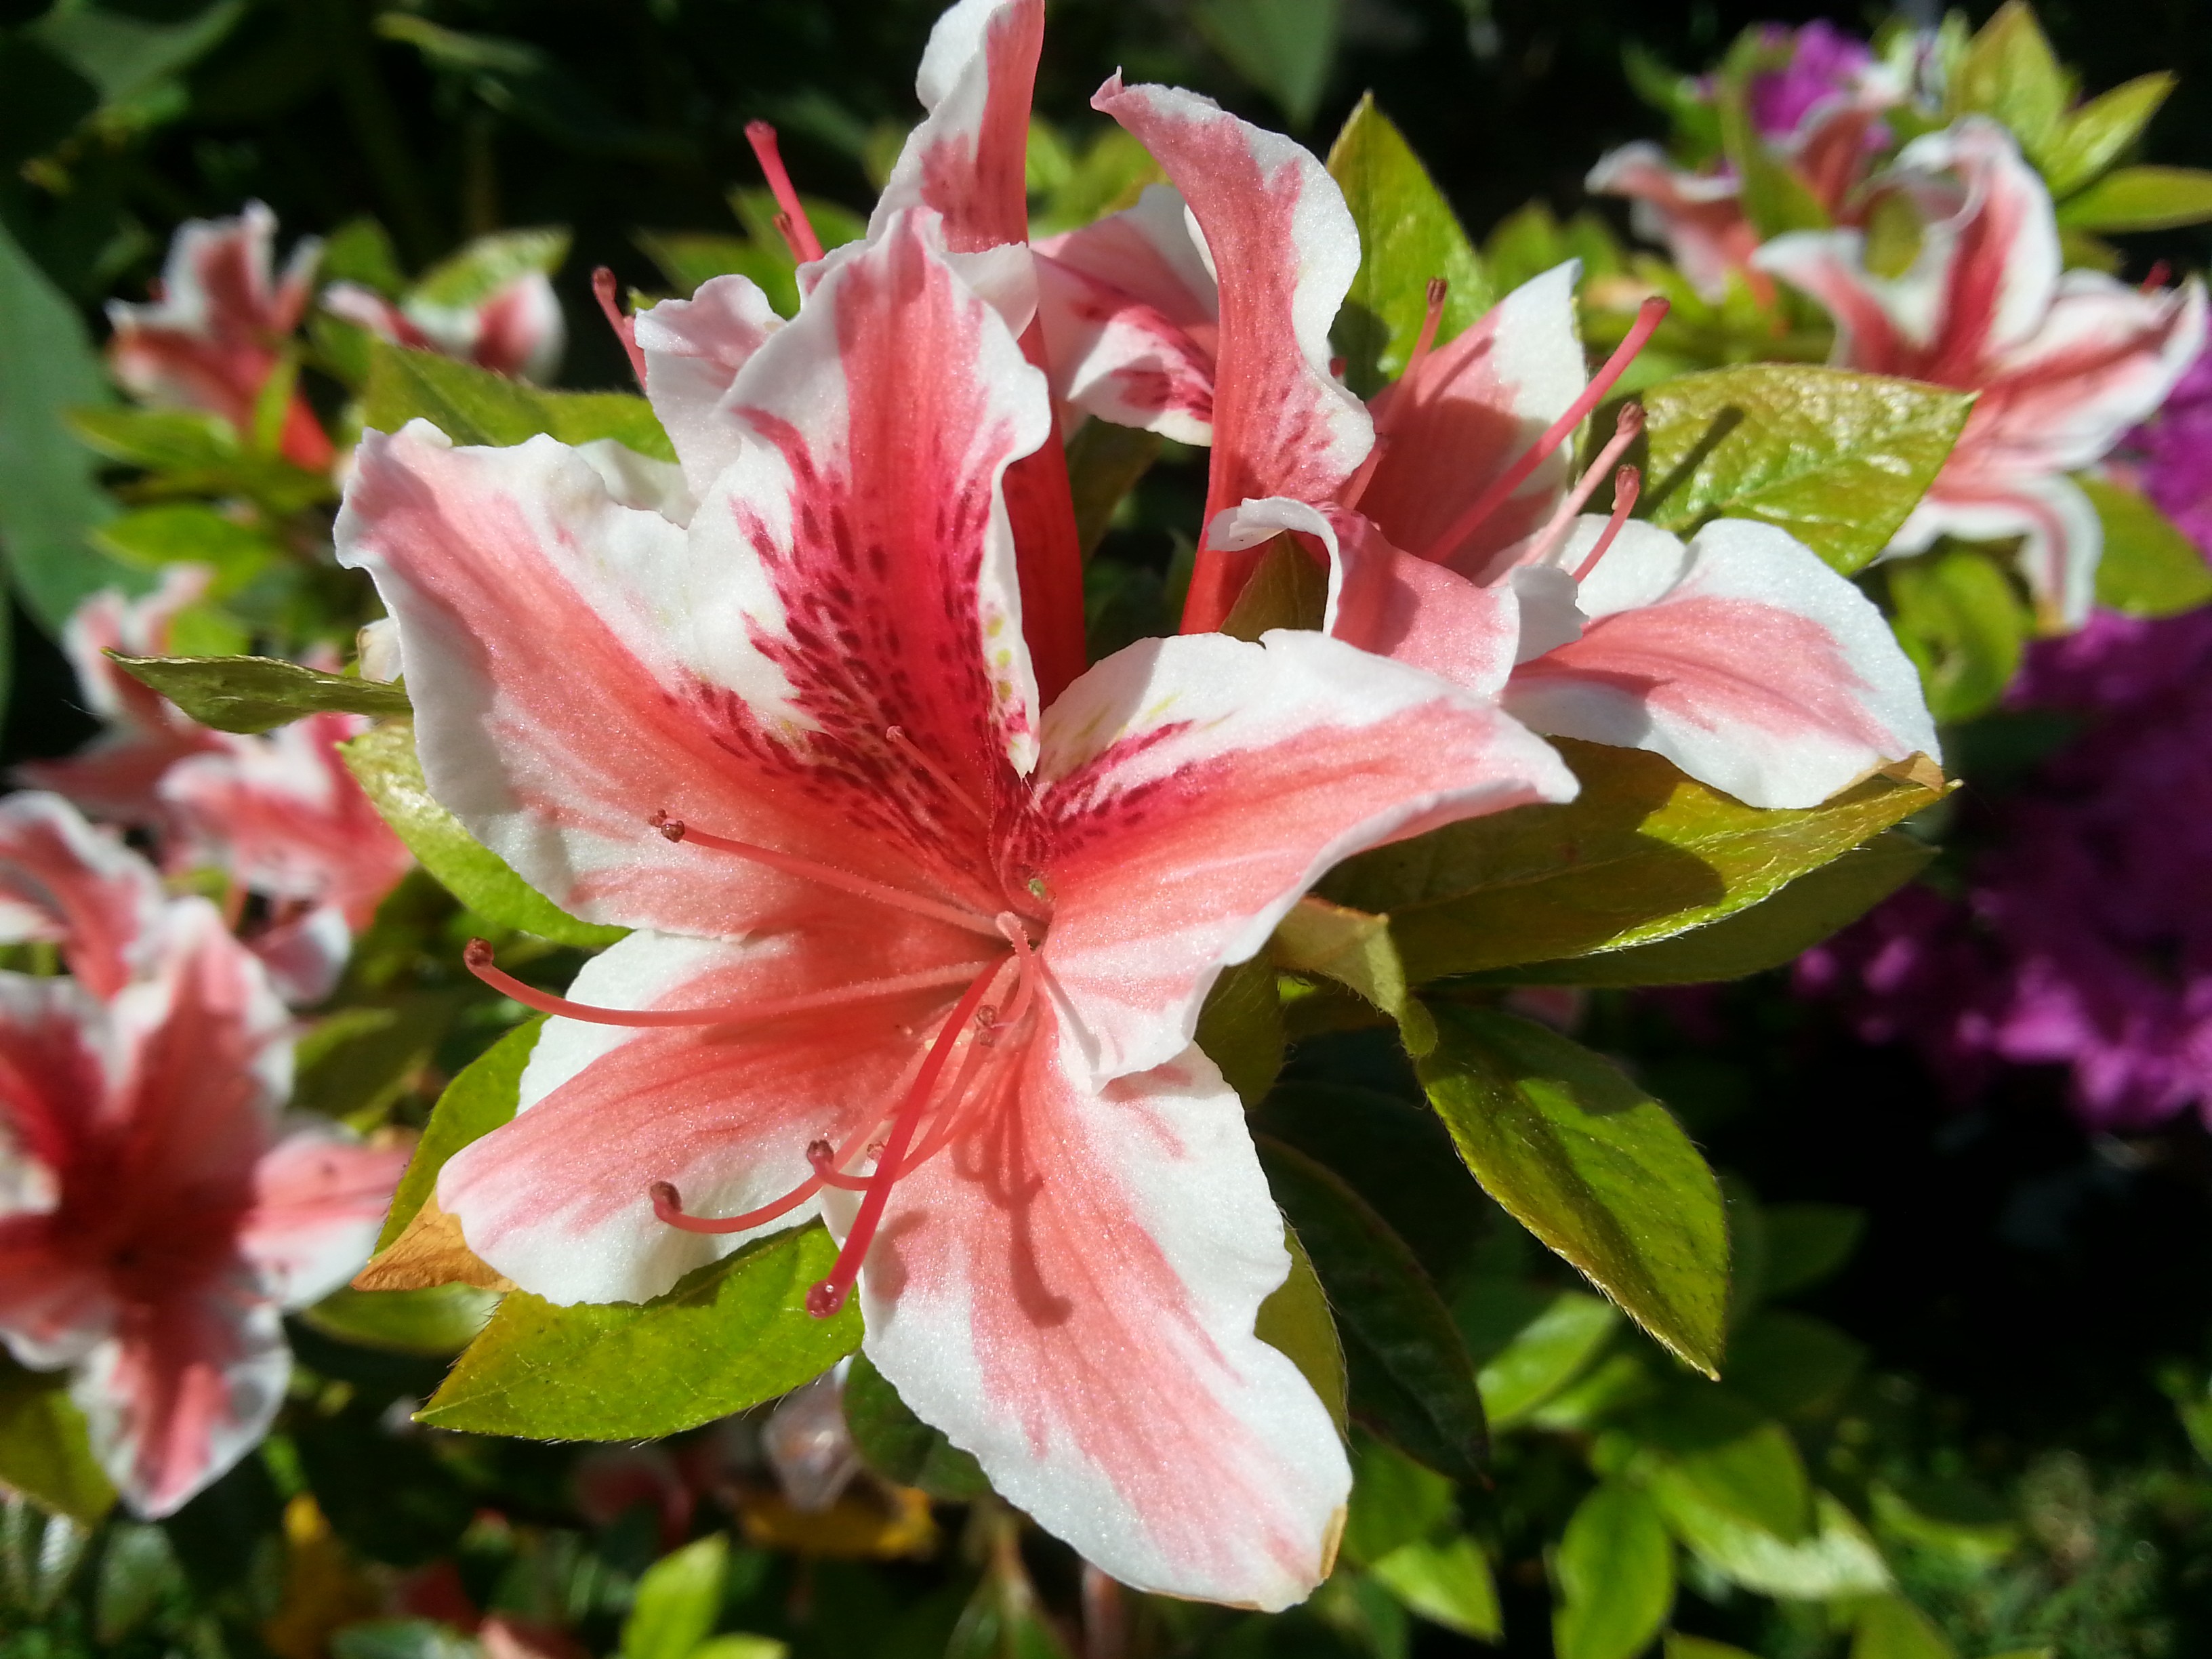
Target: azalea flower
[[2169, 457], [517, 329], [1454, 539], [915, 952], [217, 324], [64, 882], [157, 1214], [2063, 362], [117, 776]]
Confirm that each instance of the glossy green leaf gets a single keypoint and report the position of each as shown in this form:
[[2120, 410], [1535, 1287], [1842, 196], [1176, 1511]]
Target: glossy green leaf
[[2095, 136], [1962, 621], [44, 1451], [1408, 236], [1807, 1244], [1644, 853], [2141, 199], [190, 532], [2010, 72], [361, 251], [1240, 1027], [1448, 1583], [473, 405], [1545, 1356], [1769, 934], [1891, 1627], [50, 501], [1837, 1559], [481, 1096], [1284, 47], [1791, 1363], [1836, 458], [678, 1601], [902, 1447], [257, 694], [1616, 1573], [1295, 1320], [436, 1319], [1412, 1380], [735, 1646], [731, 1334], [2149, 567], [1592, 1165], [383, 760], [483, 267]]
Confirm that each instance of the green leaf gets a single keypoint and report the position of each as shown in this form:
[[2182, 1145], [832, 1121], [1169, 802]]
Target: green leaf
[[1891, 1627], [688, 258], [1284, 47], [1592, 1165], [1353, 947], [472, 405], [1806, 1244], [1295, 1320], [43, 1452], [1791, 1363], [1412, 1380], [480, 269], [190, 532], [1395, 1502], [1616, 1571], [1287, 589], [156, 438], [1644, 854], [1408, 236], [481, 1097], [1708, 1446], [1775, 198], [2149, 568], [1448, 1584], [1775, 931], [2010, 72], [1958, 617], [361, 251], [1240, 1027], [257, 694], [1545, 1355], [128, 56], [2093, 136], [402, 1638], [383, 760], [437, 1319], [678, 1601], [902, 1447], [731, 1334], [1838, 1558], [1954, 1518], [1104, 462], [1836, 458], [2141, 199], [50, 501]]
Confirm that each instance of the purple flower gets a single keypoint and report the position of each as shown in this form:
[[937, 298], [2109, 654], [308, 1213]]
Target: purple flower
[[1824, 62], [2173, 454]]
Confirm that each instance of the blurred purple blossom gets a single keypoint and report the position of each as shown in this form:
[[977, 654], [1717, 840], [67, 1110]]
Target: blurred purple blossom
[[1824, 62], [2173, 454]]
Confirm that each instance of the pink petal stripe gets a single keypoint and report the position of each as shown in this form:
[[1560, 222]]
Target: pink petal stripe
[[967, 158], [62, 880]]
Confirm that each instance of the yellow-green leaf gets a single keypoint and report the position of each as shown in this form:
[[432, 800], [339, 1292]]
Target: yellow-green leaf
[[257, 694], [480, 1098], [44, 1453], [2148, 567], [472, 405], [1295, 1320], [1616, 1571], [2141, 199]]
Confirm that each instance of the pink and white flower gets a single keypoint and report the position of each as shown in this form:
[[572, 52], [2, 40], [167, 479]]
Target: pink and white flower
[[217, 324], [1445, 510], [915, 952], [162, 1213], [2062, 362], [64, 882], [517, 329]]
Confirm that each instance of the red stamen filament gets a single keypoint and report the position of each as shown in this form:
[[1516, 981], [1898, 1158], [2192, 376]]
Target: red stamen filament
[[807, 870], [625, 328], [668, 1204], [1356, 486], [826, 1298], [1648, 316], [898, 736], [792, 223], [1424, 342], [478, 958], [952, 1122], [1626, 484], [1562, 522]]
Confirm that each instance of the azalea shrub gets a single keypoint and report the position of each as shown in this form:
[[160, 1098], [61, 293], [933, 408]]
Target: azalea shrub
[[1137, 898]]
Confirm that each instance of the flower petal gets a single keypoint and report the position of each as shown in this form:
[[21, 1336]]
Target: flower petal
[[1069, 1294], [1276, 224], [967, 158], [1741, 658], [2061, 536], [319, 1197], [63, 880], [1467, 412], [186, 1387], [1194, 787], [1879, 324], [693, 349], [1998, 256], [1698, 218], [557, 1199]]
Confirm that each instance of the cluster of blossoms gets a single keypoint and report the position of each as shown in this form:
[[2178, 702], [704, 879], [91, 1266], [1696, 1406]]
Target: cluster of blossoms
[[925, 909]]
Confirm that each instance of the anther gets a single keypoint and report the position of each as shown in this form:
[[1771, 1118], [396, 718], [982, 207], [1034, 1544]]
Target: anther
[[791, 222], [625, 328], [1627, 484], [1562, 522]]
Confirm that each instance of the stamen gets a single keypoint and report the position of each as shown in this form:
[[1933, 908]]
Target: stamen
[[625, 328], [827, 875], [2159, 270], [1627, 484], [479, 959], [1648, 316], [1427, 338], [791, 222], [826, 1298], [1562, 522], [1387, 418], [951, 786], [953, 1120], [823, 1157]]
